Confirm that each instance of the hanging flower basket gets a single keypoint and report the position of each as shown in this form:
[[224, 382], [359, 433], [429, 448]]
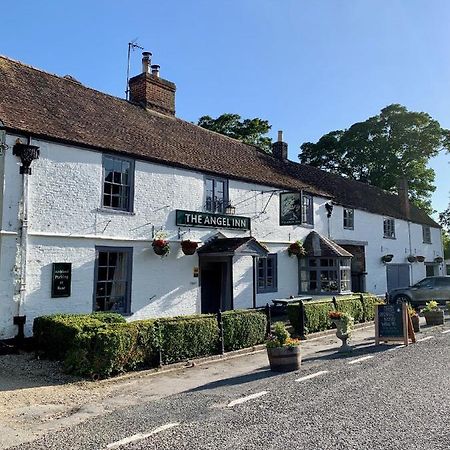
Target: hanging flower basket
[[387, 258], [161, 247], [296, 248], [411, 258], [438, 259], [188, 247], [420, 258]]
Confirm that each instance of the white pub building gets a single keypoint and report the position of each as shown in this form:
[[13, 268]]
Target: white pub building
[[89, 182]]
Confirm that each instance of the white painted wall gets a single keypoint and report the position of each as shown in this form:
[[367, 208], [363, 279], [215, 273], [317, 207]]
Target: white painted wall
[[66, 223]]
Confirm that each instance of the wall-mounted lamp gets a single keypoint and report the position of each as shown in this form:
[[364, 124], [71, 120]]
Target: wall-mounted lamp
[[329, 208], [230, 210]]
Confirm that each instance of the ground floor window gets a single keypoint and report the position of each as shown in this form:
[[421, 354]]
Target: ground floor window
[[325, 275], [431, 270], [267, 274], [113, 279]]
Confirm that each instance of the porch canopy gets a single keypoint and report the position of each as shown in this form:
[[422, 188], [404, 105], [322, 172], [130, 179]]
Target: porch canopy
[[317, 245], [245, 246]]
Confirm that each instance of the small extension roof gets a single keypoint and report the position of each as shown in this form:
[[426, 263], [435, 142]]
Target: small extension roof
[[57, 108], [317, 245]]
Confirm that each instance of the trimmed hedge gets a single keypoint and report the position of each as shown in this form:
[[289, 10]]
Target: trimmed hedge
[[351, 305], [188, 337], [115, 349], [55, 334], [243, 328], [100, 345], [360, 306]]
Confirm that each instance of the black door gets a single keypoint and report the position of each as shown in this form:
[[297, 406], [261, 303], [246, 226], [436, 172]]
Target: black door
[[215, 282]]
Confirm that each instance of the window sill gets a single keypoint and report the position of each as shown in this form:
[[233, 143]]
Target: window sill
[[429, 243], [349, 228], [389, 237], [267, 291], [116, 211]]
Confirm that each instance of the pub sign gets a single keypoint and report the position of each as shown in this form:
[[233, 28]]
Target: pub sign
[[61, 279], [209, 220]]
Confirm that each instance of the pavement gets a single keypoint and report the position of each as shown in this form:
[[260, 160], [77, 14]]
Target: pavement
[[339, 402]]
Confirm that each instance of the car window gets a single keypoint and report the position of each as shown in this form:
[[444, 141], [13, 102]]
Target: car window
[[427, 282], [443, 282]]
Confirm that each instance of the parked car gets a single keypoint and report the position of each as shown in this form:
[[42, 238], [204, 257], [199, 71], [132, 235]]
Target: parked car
[[430, 288]]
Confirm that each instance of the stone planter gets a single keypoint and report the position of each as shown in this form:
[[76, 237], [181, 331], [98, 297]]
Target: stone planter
[[284, 359], [344, 348], [434, 317], [415, 323]]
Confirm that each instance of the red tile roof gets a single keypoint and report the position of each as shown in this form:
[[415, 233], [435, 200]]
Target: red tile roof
[[57, 108]]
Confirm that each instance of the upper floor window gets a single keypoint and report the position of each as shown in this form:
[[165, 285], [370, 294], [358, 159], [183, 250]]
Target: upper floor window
[[267, 274], [117, 183], [296, 208], [349, 218], [216, 195], [389, 228], [426, 234]]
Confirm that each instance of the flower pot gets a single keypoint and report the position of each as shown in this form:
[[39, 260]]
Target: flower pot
[[188, 247], [160, 251], [284, 359], [387, 258], [438, 259], [420, 258], [344, 348], [411, 258], [434, 317], [415, 323]]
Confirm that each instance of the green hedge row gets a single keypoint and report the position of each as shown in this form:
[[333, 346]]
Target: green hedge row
[[54, 334], [360, 306], [93, 347]]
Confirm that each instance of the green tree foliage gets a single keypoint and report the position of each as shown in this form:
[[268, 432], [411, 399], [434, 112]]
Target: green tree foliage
[[394, 144], [444, 219], [250, 131]]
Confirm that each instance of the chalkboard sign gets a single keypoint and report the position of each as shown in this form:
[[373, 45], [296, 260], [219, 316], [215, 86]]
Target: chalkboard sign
[[61, 279], [392, 323]]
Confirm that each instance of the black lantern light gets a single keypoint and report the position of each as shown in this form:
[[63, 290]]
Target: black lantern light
[[230, 210]]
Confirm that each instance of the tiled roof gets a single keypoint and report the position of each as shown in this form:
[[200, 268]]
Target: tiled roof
[[318, 245], [247, 245], [57, 108]]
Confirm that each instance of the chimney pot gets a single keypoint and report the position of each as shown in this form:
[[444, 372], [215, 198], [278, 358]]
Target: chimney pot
[[280, 148], [146, 61], [155, 70], [402, 187]]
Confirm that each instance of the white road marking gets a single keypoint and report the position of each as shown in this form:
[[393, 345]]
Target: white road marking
[[140, 436], [313, 375], [446, 331], [246, 399], [425, 338], [396, 347], [364, 358]]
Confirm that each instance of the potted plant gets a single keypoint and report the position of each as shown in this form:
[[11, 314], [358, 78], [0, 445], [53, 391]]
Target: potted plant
[[411, 258], [296, 248], [344, 326], [283, 351], [387, 258], [414, 318], [433, 315], [160, 244], [420, 258], [188, 247], [438, 259]]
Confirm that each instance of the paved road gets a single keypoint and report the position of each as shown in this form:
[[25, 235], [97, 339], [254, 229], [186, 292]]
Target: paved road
[[374, 399]]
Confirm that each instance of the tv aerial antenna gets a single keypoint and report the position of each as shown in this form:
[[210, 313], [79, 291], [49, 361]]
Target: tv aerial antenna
[[133, 45]]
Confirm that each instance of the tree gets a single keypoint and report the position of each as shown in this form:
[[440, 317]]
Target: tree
[[395, 144], [250, 131], [444, 218]]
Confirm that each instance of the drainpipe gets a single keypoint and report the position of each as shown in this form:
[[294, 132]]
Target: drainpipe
[[27, 153]]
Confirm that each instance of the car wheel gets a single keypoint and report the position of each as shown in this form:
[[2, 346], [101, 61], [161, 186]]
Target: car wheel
[[399, 299]]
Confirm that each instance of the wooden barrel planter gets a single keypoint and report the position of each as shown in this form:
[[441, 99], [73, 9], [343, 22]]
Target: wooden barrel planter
[[284, 359], [415, 323], [434, 317]]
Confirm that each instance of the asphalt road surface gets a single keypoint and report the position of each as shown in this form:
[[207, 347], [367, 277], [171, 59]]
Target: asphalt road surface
[[386, 398]]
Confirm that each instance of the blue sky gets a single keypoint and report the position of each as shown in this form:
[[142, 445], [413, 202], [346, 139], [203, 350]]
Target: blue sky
[[308, 67]]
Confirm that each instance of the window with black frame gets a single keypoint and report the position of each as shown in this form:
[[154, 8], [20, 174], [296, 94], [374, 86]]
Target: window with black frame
[[296, 208], [349, 214], [267, 274], [389, 228], [426, 234], [113, 279], [117, 183], [325, 275], [216, 195]]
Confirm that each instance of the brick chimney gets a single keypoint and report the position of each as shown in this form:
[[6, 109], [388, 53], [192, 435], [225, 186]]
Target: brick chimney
[[150, 91], [403, 199], [280, 148]]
